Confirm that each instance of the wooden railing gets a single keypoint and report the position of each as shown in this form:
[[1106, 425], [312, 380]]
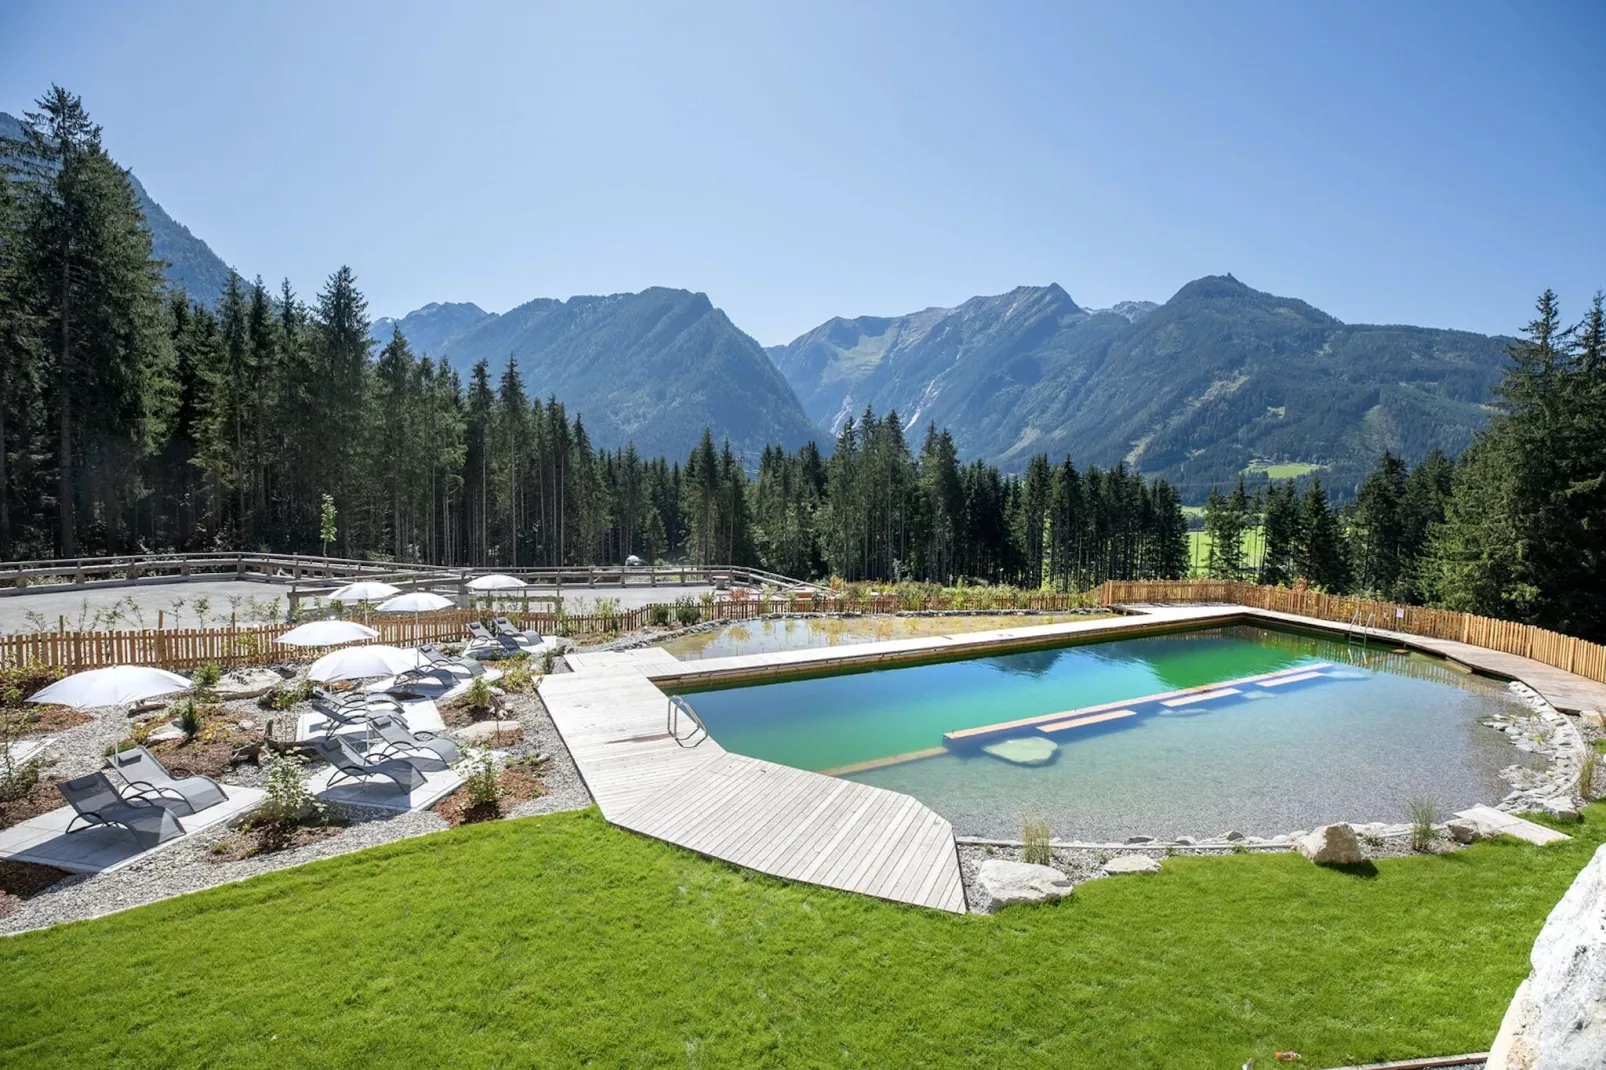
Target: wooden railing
[[1567, 652], [233, 646], [135, 567]]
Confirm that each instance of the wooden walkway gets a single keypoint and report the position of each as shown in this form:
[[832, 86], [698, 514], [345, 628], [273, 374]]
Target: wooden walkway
[[772, 818]]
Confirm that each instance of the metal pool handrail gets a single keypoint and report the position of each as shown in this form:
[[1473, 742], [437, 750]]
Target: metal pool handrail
[[699, 731]]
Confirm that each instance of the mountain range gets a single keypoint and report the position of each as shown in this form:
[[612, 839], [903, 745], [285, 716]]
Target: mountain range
[[1222, 380], [653, 368]]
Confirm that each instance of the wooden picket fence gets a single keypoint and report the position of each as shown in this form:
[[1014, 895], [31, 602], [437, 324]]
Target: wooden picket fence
[[254, 644], [1552, 648]]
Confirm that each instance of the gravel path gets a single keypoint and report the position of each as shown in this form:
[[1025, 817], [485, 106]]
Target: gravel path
[[189, 866]]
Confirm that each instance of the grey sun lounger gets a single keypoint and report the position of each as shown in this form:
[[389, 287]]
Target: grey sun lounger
[[349, 765], [505, 627], [436, 658], [484, 635], [97, 803], [396, 736], [148, 779], [355, 714]]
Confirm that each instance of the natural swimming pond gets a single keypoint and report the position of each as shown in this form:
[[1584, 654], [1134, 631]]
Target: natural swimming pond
[[1333, 734], [807, 633]]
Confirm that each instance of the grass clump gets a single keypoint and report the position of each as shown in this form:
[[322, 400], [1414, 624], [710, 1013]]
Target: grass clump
[[1424, 815], [1035, 836], [1588, 770]]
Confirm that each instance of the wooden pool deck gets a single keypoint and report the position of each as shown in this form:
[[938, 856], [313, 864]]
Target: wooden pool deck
[[612, 712], [772, 818]]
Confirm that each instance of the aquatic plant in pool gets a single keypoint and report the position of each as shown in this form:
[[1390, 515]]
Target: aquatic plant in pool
[[1334, 734]]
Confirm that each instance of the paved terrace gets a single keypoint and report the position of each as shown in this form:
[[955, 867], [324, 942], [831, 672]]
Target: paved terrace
[[612, 714]]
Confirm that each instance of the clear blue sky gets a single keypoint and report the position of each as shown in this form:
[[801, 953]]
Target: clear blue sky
[[1433, 163]]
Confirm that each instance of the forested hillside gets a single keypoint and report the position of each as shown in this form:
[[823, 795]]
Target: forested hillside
[[189, 263], [1220, 380], [135, 419]]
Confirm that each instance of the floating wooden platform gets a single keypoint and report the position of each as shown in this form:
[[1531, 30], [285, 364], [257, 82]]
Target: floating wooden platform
[[1109, 711]]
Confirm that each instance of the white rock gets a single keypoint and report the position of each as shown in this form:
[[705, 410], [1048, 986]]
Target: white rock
[[1557, 1021], [1558, 806], [1464, 831], [166, 732], [1131, 864], [247, 683], [1006, 883], [1592, 718], [1026, 750], [1332, 845], [487, 731], [1183, 841]]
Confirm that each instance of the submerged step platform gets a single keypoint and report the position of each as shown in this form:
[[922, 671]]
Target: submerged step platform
[[1105, 713]]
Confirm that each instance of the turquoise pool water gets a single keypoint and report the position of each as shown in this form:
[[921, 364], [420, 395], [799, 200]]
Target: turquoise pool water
[[1358, 743]]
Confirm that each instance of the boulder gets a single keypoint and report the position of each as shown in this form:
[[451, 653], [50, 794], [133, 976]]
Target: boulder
[[1558, 806], [1005, 883], [1140, 839], [1332, 845], [1592, 718], [1130, 864], [489, 731], [1025, 750], [1463, 831], [1183, 841], [246, 683], [1557, 1020], [1233, 836]]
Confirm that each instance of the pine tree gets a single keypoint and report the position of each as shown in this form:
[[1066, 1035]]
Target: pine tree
[[1322, 558], [95, 293]]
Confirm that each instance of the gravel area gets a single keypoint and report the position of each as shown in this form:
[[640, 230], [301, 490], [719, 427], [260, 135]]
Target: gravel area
[[190, 866]]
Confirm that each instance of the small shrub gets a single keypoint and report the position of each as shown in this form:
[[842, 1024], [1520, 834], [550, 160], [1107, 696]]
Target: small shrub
[[1424, 813], [521, 678], [549, 661], [687, 611], [478, 770], [16, 778], [287, 801], [206, 676], [1035, 835], [189, 720], [658, 614], [283, 698], [1588, 769], [479, 695]]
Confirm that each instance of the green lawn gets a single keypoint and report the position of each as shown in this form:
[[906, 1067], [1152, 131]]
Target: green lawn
[[558, 941], [1284, 470], [1253, 541]]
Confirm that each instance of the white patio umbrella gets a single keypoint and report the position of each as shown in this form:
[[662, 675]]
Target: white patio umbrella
[[416, 602], [327, 633], [496, 581], [119, 685], [364, 591], [362, 662]]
